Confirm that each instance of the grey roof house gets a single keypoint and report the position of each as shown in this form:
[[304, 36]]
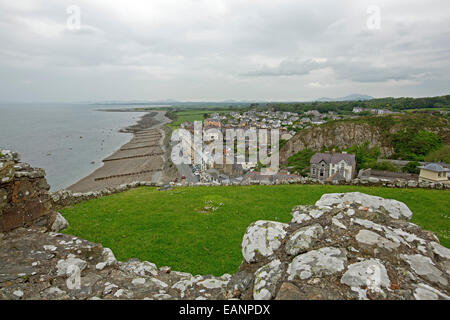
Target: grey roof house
[[333, 166]]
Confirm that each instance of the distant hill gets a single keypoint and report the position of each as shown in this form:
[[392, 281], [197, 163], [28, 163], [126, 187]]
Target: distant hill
[[352, 97]]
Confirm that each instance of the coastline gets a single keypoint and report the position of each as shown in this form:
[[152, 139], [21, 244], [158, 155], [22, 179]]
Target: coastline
[[142, 158]]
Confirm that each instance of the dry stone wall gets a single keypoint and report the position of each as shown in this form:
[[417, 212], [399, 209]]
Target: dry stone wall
[[63, 198]]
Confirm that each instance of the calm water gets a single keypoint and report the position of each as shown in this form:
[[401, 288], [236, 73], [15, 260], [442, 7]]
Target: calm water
[[63, 139]]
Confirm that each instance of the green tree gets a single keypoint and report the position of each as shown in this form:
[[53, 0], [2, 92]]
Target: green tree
[[440, 155], [364, 154]]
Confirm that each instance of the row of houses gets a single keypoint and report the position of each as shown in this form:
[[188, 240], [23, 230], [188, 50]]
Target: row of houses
[[372, 111]]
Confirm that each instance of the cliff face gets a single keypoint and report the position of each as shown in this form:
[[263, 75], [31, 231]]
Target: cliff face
[[377, 131], [341, 135]]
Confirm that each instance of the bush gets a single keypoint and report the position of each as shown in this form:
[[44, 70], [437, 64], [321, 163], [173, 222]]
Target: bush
[[411, 167], [383, 165], [300, 161]]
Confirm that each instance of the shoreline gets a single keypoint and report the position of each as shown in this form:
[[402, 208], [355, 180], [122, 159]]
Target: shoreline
[[142, 158]]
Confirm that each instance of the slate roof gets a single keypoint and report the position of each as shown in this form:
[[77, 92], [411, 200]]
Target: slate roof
[[333, 158], [434, 167]]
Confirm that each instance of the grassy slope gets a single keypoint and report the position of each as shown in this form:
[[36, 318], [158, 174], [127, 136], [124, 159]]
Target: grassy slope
[[167, 228]]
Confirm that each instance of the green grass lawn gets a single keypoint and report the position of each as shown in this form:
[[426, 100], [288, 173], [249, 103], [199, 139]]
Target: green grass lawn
[[170, 227], [191, 116]]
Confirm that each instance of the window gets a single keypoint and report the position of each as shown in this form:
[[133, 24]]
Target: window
[[321, 172]]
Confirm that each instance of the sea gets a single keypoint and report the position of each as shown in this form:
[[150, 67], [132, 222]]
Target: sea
[[69, 141]]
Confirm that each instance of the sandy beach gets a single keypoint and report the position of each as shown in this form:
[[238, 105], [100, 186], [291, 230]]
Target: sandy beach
[[141, 159]]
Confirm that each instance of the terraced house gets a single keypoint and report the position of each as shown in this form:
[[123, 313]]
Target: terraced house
[[332, 166]]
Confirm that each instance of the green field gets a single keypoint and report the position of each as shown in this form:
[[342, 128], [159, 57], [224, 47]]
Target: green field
[[173, 228], [191, 116]]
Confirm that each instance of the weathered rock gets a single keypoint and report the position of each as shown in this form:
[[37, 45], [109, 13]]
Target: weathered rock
[[139, 268], [66, 267], [425, 292], [289, 291], [59, 223], [424, 267], [370, 274], [266, 280], [262, 238], [396, 209], [372, 238], [441, 251], [317, 263], [303, 239]]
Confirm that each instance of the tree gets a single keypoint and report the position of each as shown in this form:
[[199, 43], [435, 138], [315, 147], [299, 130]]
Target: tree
[[440, 155]]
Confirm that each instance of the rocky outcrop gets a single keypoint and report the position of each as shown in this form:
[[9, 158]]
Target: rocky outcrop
[[346, 246], [336, 135], [24, 197]]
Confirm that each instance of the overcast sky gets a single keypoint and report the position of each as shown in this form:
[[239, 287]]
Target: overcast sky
[[204, 50]]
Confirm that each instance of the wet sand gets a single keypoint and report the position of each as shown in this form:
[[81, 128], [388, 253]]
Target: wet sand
[[141, 159]]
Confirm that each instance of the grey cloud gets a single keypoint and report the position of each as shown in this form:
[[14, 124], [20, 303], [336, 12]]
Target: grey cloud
[[221, 49]]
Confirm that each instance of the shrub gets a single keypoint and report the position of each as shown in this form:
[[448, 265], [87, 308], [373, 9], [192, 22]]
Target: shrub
[[300, 161], [411, 167], [383, 165], [364, 155]]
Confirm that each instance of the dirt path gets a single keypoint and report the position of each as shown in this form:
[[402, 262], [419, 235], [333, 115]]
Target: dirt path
[[141, 159]]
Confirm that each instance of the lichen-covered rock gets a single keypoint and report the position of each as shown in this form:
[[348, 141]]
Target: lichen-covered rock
[[317, 263], [303, 239], [396, 209], [424, 266], [262, 238], [372, 238], [366, 275], [266, 280], [362, 247]]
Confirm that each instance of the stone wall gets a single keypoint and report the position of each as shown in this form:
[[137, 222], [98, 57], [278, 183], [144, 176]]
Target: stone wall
[[24, 197], [64, 198]]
